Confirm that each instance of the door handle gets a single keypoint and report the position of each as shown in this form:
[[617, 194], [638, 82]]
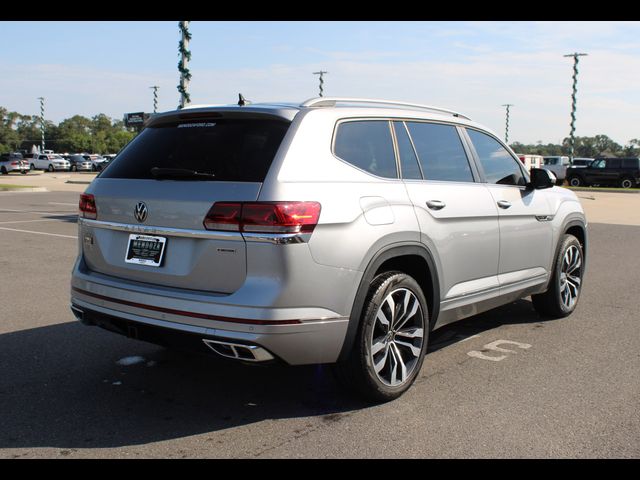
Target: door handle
[[436, 204], [504, 204]]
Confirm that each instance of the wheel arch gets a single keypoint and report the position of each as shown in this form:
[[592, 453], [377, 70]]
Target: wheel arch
[[414, 260]]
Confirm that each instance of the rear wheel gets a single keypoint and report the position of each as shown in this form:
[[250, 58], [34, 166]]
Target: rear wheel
[[626, 182], [392, 339], [561, 299], [3, 171]]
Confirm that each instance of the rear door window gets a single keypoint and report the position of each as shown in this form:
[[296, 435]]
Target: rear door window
[[613, 163], [367, 144], [440, 151], [237, 150]]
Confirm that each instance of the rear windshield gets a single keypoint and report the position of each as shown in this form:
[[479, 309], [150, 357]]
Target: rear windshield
[[236, 150]]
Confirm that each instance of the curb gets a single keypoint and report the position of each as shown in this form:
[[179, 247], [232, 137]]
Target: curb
[[77, 182], [596, 190]]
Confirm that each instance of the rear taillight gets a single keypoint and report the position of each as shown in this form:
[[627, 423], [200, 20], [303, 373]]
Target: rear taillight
[[263, 217], [88, 206], [224, 216], [15, 164]]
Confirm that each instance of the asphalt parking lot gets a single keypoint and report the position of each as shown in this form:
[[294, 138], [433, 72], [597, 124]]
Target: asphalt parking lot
[[565, 389]]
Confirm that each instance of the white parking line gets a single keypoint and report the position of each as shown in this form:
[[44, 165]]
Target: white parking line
[[60, 203], [39, 233], [70, 214], [31, 221]]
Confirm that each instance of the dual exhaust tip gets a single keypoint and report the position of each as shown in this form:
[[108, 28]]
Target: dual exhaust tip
[[236, 351]]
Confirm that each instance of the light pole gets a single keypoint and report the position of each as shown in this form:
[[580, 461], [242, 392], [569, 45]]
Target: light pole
[[573, 97], [321, 73], [155, 98], [185, 56], [506, 131], [41, 123]]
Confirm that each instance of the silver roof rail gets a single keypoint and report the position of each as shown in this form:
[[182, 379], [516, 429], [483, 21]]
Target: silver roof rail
[[332, 101]]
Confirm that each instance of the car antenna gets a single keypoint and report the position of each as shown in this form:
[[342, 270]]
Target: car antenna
[[241, 100]]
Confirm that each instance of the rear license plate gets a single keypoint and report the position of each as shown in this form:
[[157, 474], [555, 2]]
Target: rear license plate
[[145, 250]]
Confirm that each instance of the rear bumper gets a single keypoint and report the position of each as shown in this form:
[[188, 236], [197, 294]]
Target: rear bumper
[[296, 336]]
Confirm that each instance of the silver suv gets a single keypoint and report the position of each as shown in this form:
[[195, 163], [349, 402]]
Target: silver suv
[[337, 231]]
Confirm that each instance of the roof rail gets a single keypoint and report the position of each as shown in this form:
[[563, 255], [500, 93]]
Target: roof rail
[[332, 101]]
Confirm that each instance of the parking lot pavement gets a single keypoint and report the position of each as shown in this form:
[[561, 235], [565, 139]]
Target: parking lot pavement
[[52, 181], [501, 384]]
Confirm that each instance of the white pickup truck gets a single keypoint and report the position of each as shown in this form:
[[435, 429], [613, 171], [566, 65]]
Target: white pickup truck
[[558, 165], [50, 162]]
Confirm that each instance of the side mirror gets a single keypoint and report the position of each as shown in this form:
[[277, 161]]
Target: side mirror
[[541, 178]]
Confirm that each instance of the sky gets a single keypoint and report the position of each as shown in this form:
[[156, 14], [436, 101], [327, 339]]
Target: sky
[[88, 68]]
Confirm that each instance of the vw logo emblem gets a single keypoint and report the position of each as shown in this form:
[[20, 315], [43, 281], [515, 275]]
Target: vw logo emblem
[[140, 212]]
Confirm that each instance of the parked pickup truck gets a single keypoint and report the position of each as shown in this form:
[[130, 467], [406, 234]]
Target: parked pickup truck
[[50, 162], [558, 165], [623, 172]]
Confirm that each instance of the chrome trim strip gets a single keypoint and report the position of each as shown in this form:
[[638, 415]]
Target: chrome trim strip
[[172, 232], [274, 238]]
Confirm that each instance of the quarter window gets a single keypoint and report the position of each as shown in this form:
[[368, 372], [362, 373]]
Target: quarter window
[[440, 152], [498, 165], [367, 145]]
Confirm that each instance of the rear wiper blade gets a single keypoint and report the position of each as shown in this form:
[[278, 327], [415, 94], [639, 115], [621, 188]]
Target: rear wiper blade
[[182, 173]]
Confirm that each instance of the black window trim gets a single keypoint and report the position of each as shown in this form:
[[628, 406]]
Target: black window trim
[[476, 159]]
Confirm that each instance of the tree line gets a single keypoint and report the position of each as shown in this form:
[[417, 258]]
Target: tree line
[[99, 134], [589, 147]]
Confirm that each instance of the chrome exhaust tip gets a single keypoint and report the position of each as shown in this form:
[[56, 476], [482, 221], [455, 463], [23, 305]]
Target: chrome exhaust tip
[[236, 351]]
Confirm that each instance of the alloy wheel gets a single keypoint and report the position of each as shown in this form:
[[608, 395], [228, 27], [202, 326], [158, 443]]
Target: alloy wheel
[[570, 276], [397, 337]]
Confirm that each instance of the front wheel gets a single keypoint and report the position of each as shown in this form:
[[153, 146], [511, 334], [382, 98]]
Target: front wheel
[[392, 339], [576, 181], [3, 171], [561, 299], [50, 169]]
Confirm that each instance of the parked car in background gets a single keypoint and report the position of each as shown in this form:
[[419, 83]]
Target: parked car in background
[[336, 231], [622, 172], [108, 159], [96, 161], [51, 162], [13, 162], [531, 161], [581, 162], [79, 163], [558, 165]]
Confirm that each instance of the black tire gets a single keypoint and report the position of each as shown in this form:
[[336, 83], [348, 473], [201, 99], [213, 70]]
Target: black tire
[[576, 181], [3, 171], [553, 303], [32, 167], [627, 182], [357, 372], [24, 172], [50, 169]]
